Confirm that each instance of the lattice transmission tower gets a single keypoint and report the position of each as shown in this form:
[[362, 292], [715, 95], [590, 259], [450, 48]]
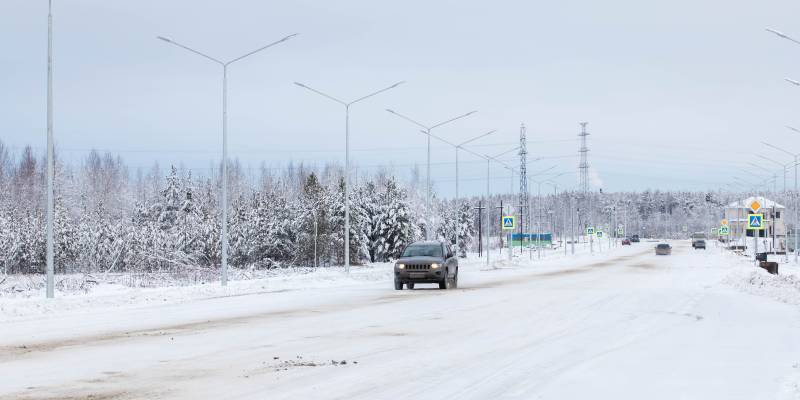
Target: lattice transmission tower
[[524, 207], [584, 165]]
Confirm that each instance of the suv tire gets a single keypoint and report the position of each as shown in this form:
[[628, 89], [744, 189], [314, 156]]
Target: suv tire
[[445, 283], [398, 285]]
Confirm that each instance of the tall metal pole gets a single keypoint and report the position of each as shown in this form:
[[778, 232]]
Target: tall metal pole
[[347, 159], [539, 221], [458, 208], [224, 201], [50, 161], [427, 131], [428, 223], [347, 188], [224, 175], [316, 218], [572, 225], [488, 226]]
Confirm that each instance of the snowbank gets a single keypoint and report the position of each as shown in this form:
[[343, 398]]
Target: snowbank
[[78, 292], [784, 287]]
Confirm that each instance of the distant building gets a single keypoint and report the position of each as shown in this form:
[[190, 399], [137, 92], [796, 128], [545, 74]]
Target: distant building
[[772, 238]]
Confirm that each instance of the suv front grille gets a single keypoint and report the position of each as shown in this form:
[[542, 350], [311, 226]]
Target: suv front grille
[[418, 267]]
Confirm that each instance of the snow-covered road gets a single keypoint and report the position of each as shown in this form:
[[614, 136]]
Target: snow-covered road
[[624, 324]]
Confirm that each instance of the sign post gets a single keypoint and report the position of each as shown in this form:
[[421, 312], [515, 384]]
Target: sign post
[[755, 223], [599, 234], [509, 224]]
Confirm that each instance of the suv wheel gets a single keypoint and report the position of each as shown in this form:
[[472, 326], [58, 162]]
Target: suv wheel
[[445, 283], [398, 285], [455, 281], [410, 285]]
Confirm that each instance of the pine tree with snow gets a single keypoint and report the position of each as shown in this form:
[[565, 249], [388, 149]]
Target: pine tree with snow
[[397, 229]]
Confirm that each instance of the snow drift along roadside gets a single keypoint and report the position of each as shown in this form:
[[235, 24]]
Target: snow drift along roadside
[[784, 288]]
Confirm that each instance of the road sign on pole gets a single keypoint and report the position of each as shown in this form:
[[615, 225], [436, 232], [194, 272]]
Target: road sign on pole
[[590, 231], [724, 230], [509, 223], [755, 222], [599, 234], [724, 222], [755, 206]]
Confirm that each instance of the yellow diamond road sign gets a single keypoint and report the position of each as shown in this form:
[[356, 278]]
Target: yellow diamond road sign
[[755, 206], [725, 221]]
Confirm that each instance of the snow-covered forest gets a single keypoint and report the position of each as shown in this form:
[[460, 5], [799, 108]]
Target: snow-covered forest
[[110, 218]]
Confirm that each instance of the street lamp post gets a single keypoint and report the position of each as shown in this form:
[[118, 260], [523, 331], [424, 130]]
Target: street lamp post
[[784, 167], [496, 158], [796, 193], [50, 161], [459, 147], [347, 159], [427, 130], [224, 65], [489, 160], [797, 198]]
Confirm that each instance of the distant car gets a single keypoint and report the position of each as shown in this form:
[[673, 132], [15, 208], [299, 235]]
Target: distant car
[[699, 244], [699, 237], [635, 238], [626, 242], [426, 262], [663, 249]]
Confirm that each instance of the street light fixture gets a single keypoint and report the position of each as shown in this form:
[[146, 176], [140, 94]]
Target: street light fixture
[[782, 35], [347, 159], [427, 130], [224, 65]]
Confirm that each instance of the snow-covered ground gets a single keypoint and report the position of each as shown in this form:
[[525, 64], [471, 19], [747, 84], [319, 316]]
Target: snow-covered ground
[[620, 324]]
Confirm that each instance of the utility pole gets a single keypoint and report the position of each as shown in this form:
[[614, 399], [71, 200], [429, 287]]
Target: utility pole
[[572, 223], [480, 209], [488, 226], [502, 210]]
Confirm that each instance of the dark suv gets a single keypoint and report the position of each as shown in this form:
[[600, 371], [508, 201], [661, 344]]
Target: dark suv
[[426, 262]]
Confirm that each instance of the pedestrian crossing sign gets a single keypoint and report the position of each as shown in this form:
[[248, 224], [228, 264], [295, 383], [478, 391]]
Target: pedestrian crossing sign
[[590, 231], [755, 222], [724, 230], [599, 234], [508, 223]]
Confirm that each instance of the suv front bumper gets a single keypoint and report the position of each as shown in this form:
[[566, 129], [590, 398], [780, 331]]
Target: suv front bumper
[[417, 276]]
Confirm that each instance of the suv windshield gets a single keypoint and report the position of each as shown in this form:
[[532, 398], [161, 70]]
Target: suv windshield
[[425, 250], [663, 246]]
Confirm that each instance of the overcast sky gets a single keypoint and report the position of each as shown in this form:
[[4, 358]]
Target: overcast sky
[[678, 94]]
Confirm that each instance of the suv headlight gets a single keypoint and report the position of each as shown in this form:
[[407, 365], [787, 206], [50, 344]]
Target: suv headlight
[[400, 266], [435, 265]]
